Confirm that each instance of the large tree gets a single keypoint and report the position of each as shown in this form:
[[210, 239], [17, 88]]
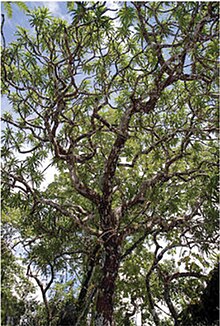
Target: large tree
[[123, 103]]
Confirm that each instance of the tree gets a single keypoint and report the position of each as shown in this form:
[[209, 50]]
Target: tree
[[123, 102]]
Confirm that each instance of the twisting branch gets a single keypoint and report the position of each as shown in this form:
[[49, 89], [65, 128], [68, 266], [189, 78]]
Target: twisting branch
[[2, 33], [83, 189], [44, 289]]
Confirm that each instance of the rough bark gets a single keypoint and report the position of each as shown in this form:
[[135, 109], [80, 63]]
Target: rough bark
[[111, 260]]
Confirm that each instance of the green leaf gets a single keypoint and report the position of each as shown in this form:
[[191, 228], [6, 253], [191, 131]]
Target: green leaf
[[8, 8]]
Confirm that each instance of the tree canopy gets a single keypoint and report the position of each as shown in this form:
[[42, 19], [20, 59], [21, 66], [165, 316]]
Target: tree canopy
[[123, 102]]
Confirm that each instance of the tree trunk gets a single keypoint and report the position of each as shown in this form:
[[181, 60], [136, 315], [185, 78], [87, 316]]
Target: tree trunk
[[111, 261]]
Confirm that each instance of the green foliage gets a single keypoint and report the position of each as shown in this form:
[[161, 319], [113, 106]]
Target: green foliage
[[8, 9], [40, 17]]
